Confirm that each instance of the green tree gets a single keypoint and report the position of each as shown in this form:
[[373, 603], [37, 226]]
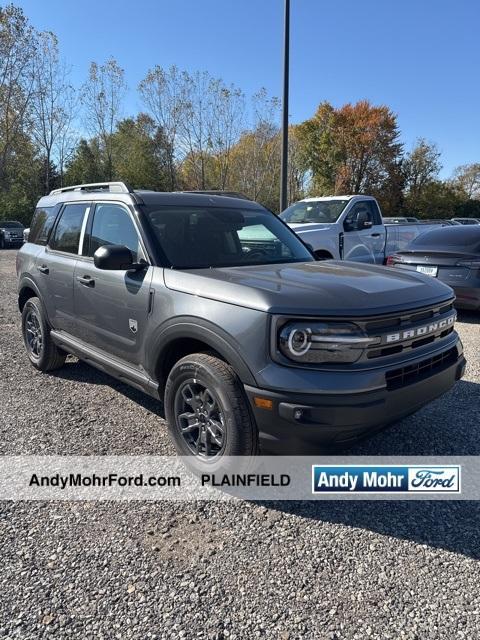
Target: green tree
[[17, 49], [142, 154], [421, 167], [86, 164], [467, 178], [437, 199], [24, 177]]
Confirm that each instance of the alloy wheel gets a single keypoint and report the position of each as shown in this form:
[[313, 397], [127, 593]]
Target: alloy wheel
[[33, 333], [200, 419]]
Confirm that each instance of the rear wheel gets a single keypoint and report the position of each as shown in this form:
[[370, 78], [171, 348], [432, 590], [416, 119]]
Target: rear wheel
[[207, 412], [41, 350]]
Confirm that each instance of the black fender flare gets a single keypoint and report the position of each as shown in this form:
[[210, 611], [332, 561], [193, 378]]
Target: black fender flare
[[27, 283], [186, 327]]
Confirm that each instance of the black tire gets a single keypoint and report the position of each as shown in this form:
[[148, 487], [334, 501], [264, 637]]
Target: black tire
[[2, 242], [323, 255], [223, 390], [41, 350]]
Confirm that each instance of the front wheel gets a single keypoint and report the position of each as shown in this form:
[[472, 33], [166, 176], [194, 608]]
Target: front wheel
[[41, 350], [207, 412]]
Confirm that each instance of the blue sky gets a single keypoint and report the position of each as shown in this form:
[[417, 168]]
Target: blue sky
[[421, 58]]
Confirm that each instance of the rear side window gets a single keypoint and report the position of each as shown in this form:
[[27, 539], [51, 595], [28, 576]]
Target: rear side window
[[66, 236], [42, 223]]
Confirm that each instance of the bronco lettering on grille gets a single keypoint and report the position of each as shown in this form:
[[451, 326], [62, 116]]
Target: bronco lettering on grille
[[418, 332]]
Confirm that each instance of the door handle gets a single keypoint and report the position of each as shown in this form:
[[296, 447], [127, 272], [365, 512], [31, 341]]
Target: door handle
[[87, 281], [43, 268], [375, 235]]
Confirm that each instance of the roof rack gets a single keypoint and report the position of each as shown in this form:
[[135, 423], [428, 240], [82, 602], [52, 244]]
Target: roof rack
[[112, 187], [213, 192]]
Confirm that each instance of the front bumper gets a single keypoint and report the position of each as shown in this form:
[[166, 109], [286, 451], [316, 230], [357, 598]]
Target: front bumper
[[13, 242], [305, 423]]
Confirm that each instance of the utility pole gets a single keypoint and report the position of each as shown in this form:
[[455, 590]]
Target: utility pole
[[286, 64]]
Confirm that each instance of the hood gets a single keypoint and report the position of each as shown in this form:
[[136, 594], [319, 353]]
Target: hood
[[329, 288]]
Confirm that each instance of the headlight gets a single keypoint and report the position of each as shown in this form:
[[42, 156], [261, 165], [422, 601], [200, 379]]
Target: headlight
[[322, 342]]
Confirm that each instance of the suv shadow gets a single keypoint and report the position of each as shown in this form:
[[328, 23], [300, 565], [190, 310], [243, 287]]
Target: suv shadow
[[81, 372], [449, 525], [445, 427]]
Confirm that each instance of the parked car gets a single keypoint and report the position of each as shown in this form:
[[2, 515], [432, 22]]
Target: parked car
[[440, 221], [348, 228], [401, 220], [452, 255], [213, 305], [11, 234], [466, 221]]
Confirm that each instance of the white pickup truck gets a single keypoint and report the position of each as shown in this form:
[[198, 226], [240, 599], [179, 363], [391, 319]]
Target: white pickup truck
[[349, 228]]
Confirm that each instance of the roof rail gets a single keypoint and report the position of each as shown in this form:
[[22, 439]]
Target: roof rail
[[214, 192], [112, 187]]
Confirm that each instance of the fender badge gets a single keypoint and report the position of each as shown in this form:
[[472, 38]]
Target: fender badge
[[133, 325]]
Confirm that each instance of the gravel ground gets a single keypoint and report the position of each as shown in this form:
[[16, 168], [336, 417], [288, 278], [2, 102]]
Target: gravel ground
[[210, 570]]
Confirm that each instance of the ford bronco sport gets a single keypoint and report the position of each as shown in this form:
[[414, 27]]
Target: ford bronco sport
[[213, 305]]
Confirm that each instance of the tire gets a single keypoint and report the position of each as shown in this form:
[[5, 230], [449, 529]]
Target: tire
[[323, 255], [41, 350], [203, 382], [2, 242]]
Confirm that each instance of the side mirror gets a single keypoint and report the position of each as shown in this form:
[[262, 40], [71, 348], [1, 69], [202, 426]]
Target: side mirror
[[365, 224], [116, 257], [359, 221]]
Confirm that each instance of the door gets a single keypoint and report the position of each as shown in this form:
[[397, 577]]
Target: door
[[111, 307], [55, 265], [364, 233]]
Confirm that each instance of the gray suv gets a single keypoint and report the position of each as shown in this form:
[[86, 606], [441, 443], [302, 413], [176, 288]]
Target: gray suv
[[211, 304]]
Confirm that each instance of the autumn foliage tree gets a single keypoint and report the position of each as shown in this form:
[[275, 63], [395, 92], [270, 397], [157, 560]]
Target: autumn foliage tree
[[351, 149]]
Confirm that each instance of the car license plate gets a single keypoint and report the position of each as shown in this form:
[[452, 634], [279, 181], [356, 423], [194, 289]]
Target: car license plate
[[429, 271]]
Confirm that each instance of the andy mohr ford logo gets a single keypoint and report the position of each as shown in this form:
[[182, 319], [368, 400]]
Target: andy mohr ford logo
[[349, 478]]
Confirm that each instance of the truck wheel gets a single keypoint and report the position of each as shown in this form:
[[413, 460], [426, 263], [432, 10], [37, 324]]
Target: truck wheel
[[41, 350], [2, 242], [323, 255], [207, 412]]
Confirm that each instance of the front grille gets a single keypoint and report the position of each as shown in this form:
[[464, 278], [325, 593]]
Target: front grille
[[416, 372], [403, 324], [398, 322]]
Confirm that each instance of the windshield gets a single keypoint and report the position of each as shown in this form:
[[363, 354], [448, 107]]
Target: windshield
[[319, 211], [11, 224], [202, 237]]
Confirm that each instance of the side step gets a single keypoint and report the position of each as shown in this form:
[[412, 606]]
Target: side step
[[106, 363]]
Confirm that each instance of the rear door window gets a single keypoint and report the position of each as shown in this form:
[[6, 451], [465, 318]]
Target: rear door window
[[66, 236], [42, 223]]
